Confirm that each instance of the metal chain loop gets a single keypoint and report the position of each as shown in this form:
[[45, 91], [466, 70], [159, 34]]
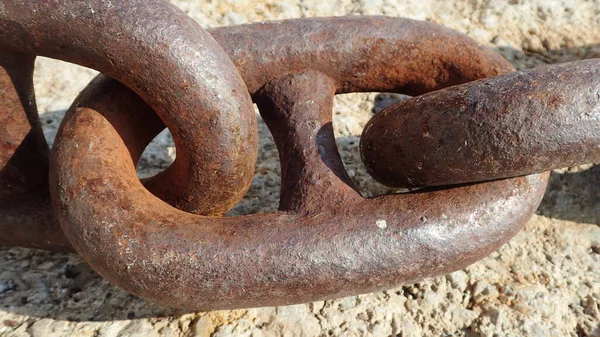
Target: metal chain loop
[[326, 240], [210, 175], [511, 125], [183, 74]]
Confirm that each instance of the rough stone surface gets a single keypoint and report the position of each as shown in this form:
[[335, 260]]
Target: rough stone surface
[[544, 282]]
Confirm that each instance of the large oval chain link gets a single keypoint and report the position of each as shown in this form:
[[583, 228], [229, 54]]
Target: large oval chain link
[[326, 240]]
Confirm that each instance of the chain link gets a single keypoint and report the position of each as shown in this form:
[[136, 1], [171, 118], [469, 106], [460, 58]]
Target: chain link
[[473, 120]]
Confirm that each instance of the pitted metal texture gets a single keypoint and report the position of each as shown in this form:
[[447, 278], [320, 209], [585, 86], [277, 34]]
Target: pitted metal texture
[[326, 240], [473, 121]]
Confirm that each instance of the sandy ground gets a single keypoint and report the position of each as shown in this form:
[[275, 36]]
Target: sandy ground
[[544, 282]]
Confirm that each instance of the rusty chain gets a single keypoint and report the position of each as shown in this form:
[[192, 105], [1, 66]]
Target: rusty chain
[[165, 239]]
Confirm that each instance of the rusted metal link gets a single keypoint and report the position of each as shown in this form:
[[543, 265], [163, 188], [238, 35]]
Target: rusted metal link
[[326, 240], [365, 53], [506, 126], [174, 65], [172, 74], [26, 217]]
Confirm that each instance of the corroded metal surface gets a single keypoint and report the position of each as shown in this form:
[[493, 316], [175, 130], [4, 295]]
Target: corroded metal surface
[[174, 65], [26, 218], [506, 126], [326, 240], [366, 53]]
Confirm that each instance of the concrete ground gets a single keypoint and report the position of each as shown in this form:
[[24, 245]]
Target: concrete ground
[[544, 282]]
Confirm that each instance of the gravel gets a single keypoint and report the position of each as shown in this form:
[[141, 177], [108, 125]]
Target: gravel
[[544, 282]]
